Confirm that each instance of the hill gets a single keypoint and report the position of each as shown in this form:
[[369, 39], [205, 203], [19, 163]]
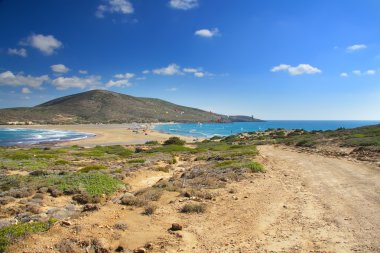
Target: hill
[[101, 106]]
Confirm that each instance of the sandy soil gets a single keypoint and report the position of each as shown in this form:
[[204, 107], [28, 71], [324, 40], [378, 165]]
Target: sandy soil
[[113, 134], [304, 203]]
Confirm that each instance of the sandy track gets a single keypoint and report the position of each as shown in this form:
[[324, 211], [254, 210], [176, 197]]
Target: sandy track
[[305, 203]]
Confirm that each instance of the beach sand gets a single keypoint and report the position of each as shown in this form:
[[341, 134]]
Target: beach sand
[[110, 134]]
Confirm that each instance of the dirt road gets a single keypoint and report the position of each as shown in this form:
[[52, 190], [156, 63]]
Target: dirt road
[[305, 203]]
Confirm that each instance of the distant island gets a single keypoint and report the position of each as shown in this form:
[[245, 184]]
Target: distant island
[[102, 106]]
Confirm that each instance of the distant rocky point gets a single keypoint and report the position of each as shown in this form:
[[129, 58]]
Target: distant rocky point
[[101, 106]]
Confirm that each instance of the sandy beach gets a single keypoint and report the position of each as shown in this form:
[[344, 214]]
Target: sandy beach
[[111, 134]]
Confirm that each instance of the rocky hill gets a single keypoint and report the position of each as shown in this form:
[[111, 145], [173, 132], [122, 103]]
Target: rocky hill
[[101, 106]]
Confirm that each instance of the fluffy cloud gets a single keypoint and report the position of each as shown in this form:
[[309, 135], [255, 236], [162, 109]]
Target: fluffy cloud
[[371, 72], [59, 68], [19, 52], [344, 74], [199, 74], [118, 83], [170, 70], [83, 72], [10, 79], [124, 76], [356, 47], [47, 44], [145, 72], [296, 70], [63, 83], [25, 90], [206, 33], [357, 72], [183, 4], [114, 6], [190, 70]]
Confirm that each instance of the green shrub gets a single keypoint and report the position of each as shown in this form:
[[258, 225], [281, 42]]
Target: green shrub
[[11, 233], [94, 184], [92, 168], [61, 162], [255, 167], [152, 143], [136, 161], [174, 141]]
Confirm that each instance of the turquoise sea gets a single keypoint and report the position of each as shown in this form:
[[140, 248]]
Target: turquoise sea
[[224, 129], [24, 136]]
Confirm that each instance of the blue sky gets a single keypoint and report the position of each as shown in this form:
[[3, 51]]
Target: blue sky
[[272, 59]]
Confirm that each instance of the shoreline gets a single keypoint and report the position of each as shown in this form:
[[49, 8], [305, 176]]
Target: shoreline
[[110, 134]]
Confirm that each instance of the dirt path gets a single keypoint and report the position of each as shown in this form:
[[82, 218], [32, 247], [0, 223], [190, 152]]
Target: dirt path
[[305, 203]]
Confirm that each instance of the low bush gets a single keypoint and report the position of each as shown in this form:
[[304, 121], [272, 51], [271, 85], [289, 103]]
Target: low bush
[[11, 233], [174, 141], [149, 209], [136, 161], [193, 208], [92, 168]]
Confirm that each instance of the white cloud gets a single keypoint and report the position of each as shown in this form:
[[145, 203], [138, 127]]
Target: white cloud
[[47, 44], [10, 79], [297, 70], [114, 6], [59, 68], [146, 72], [25, 90], [183, 4], [206, 33], [356, 47], [19, 52], [357, 72], [83, 72], [343, 74], [371, 72], [171, 69], [124, 76], [190, 70], [172, 89], [199, 74], [63, 83], [141, 78], [118, 83]]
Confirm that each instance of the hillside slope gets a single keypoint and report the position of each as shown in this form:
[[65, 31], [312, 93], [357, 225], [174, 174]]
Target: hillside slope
[[100, 106]]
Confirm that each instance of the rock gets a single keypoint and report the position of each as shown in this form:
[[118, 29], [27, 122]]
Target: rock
[[38, 173], [20, 193], [149, 245], [119, 249], [38, 196], [55, 192], [101, 245], [33, 209], [176, 227], [121, 226], [139, 250], [81, 198], [43, 190], [68, 246], [66, 223], [187, 194], [90, 208]]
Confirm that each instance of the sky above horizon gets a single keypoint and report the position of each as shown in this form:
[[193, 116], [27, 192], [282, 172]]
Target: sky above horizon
[[271, 59]]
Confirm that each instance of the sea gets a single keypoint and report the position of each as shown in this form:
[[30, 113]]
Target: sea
[[208, 130], [26, 136]]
